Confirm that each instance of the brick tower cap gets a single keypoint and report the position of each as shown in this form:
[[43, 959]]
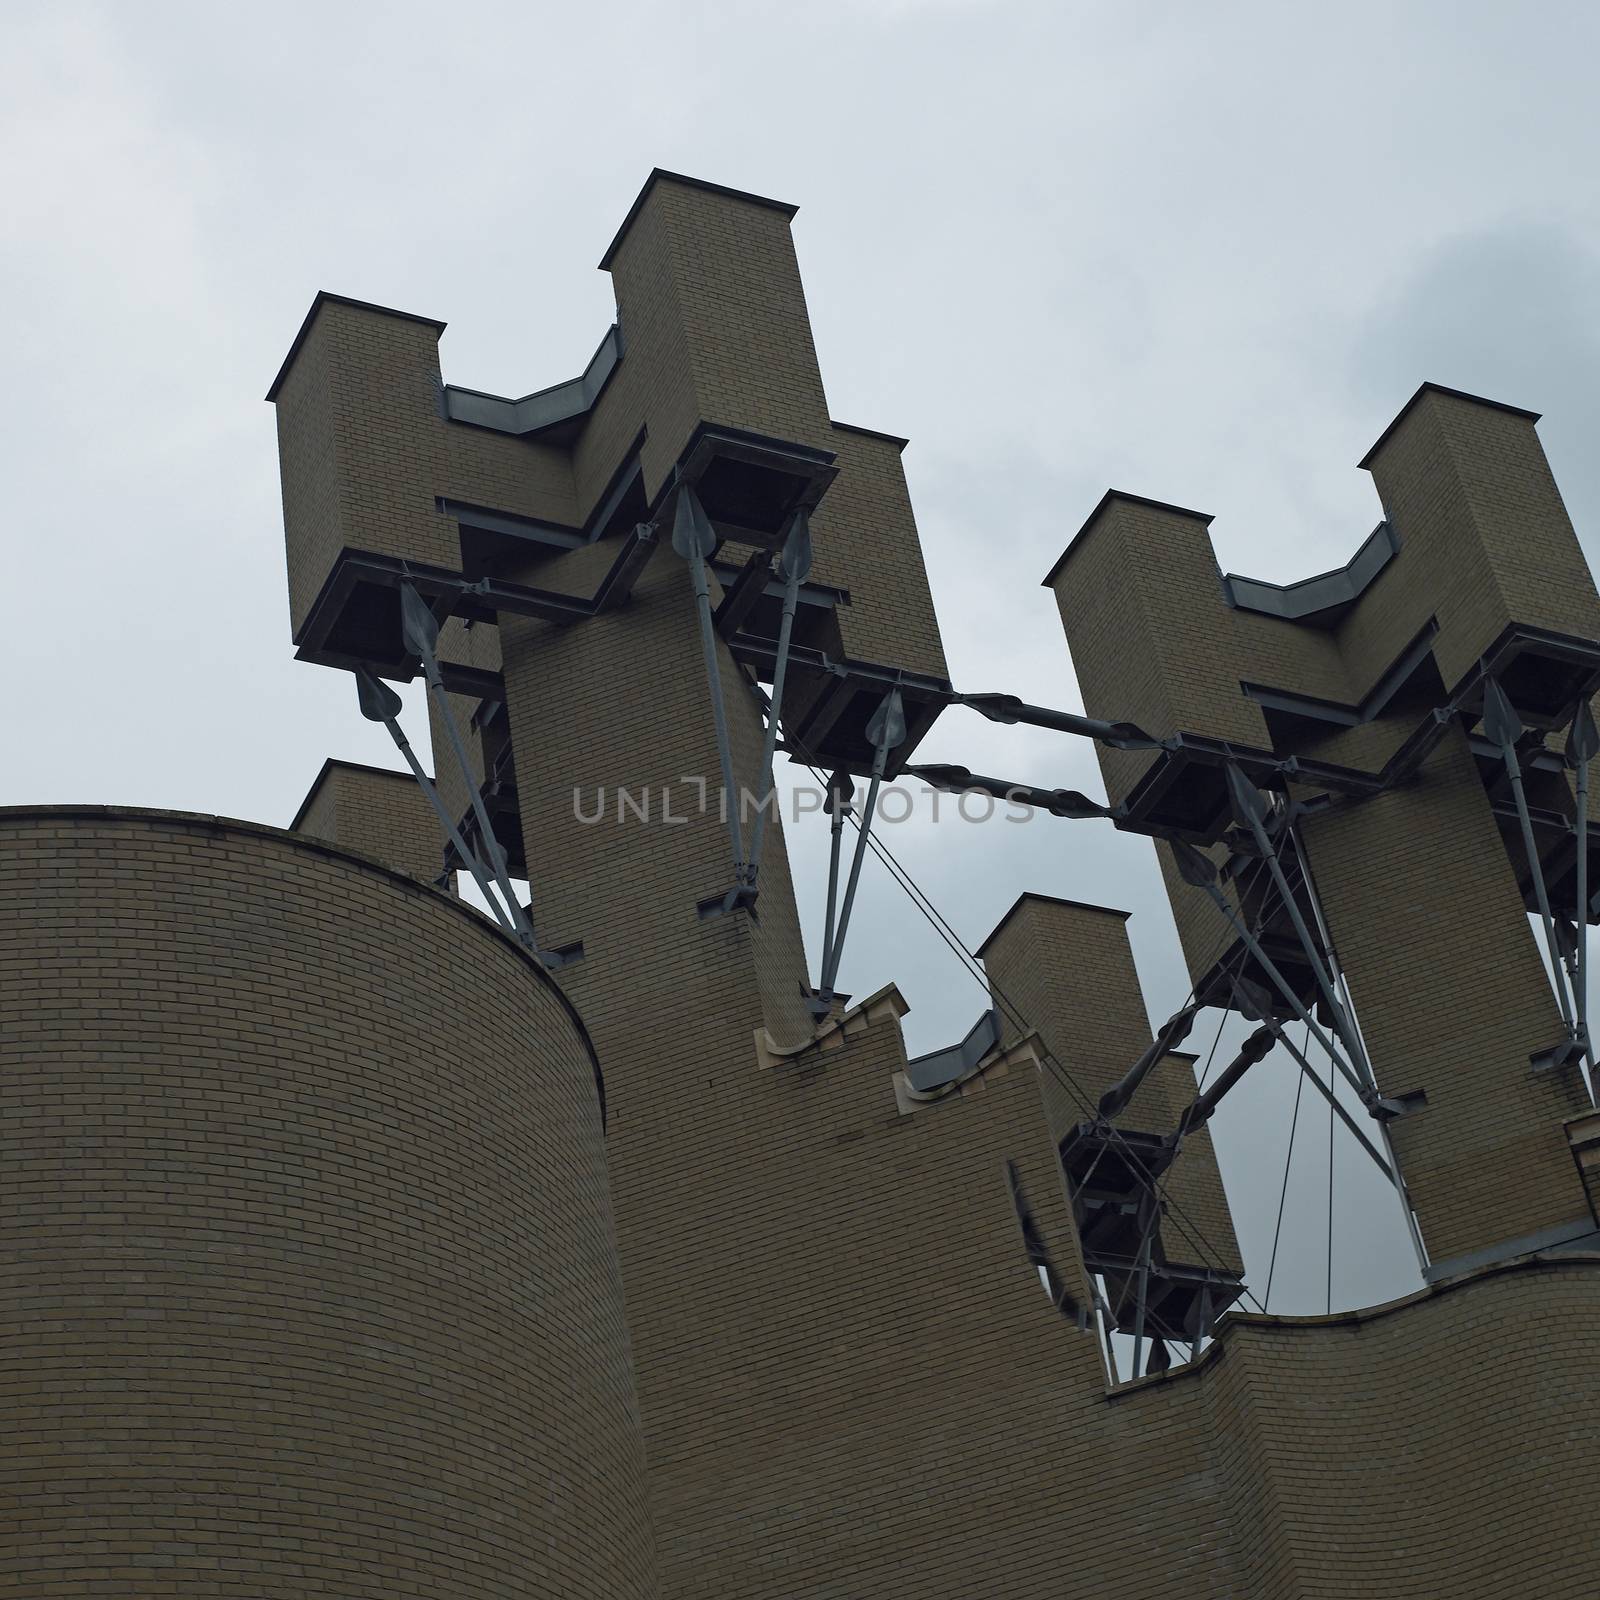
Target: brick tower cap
[[661, 175], [325, 298], [1106, 501], [1454, 394], [1049, 900]]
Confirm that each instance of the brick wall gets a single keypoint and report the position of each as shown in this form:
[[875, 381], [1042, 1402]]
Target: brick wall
[[374, 813], [309, 1274]]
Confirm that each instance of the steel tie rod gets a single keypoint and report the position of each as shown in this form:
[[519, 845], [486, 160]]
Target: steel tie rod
[[1196, 869], [886, 728], [1247, 803], [1503, 727], [421, 630], [1583, 742]]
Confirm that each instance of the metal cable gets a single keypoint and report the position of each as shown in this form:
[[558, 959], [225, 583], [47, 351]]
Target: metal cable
[[1333, 1089], [1211, 1055], [1283, 1193], [936, 920]]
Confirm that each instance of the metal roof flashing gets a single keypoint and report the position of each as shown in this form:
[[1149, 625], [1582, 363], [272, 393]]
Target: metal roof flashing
[[661, 175], [325, 298], [1322, 599]]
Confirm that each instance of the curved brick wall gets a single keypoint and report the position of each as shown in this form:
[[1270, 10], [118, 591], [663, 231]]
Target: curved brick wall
[[307, 1284]]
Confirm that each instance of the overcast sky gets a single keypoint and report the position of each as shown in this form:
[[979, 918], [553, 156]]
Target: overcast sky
[[1200, 253]]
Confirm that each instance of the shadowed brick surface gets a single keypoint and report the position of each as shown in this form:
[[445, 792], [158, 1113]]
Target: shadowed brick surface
[[309, 1284]]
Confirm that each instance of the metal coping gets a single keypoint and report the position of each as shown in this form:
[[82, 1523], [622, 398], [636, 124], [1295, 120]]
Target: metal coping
[[936, 1068], [1132, 499], [1310, 597], [543, 408], [869, 433], [325, 298], [1049, 900], [661, 175], [328, 767], [1455, 394]]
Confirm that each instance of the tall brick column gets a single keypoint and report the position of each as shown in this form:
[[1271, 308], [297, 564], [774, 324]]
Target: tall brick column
[[1479, 572]]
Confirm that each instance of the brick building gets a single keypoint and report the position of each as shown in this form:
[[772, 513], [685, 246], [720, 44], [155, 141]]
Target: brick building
[[360, 1243]]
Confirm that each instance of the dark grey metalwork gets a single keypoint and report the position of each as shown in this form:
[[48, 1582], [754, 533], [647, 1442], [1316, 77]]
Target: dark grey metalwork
[[940, 1067], [694, 539], [1560, 1236], [379, 703], [1328, 592], [887, 730], [962, 780], [1172, 1033], [1009, 709], [1108, 1328], [421, 629], [1583, 743], [1503, 727], [1333, 1100], [1198, 870], [794, 565], [1144, 1288], [1371, 705], [1039, 1256], [1390, 1105], [546, 408], [1202, 1324], [1248, 807], [1200, 1110], [839, 804]]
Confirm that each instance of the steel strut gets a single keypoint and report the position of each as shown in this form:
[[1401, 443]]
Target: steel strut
[[1503, 727], [1198, 870], [793, 566], [379, 703], [886, 728], [421, 630], [1583, 741], [695, 539], [1247, 804]]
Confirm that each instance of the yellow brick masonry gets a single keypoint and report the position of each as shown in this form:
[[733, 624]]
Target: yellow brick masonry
[[853, 1386], [374, 813], [1485, 539], [310, 1286], [278, 1308], [715, 327]]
